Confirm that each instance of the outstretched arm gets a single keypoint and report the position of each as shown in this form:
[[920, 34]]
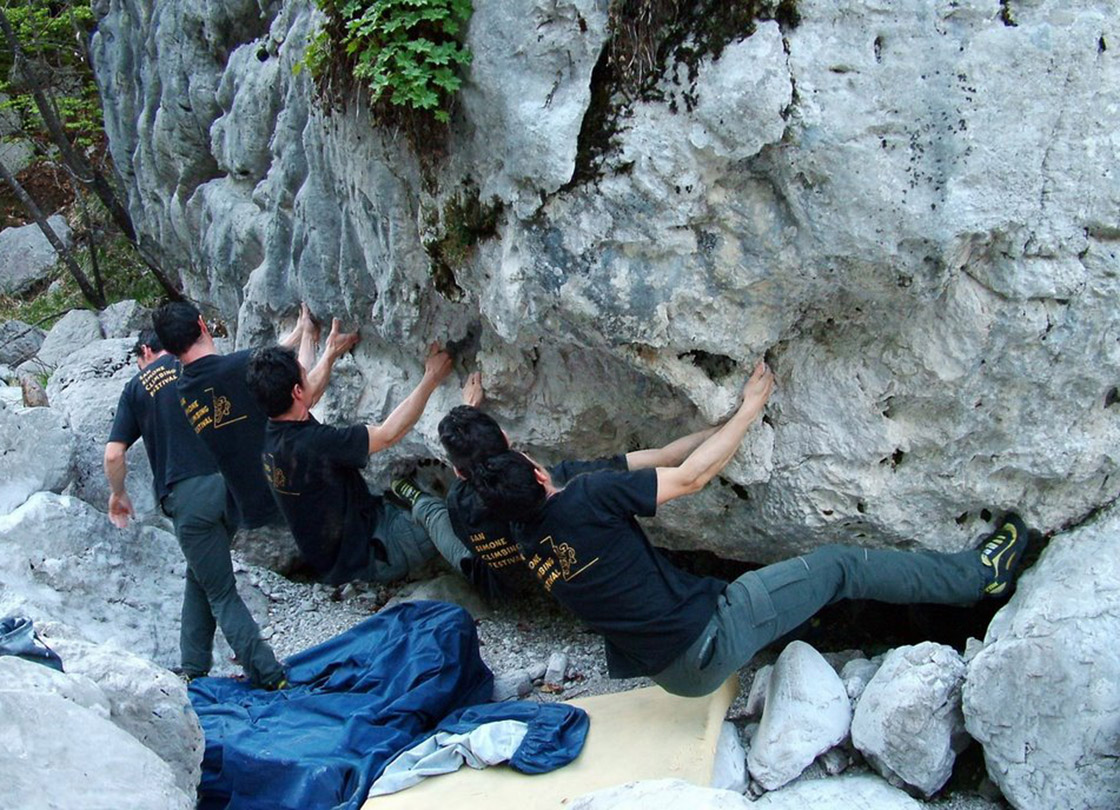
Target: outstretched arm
[[292, 339], [713, 454], [338, 343], [472, 390], [671, 454], [405, 415], [116, 468]]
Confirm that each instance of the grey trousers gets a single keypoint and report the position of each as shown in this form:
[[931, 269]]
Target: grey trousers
[[411, 540], [762, 606], [197, 508]]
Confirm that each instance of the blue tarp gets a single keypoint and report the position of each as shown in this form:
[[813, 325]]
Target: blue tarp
[[354, 702]]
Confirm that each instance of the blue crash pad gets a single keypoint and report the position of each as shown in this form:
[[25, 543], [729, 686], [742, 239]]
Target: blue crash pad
[[354, 702]]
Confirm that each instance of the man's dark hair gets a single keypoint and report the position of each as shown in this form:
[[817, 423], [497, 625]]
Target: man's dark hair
[[272, 373], [149, 338], [469, 436], [508, 485], [177, 325]]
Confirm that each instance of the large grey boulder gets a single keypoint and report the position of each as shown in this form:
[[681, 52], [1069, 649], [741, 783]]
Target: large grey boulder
[[806, 713], [145, 700], [73, 331], [19, 341], [856, 792], [37, 446], [124, 319], [660, 794], [908, 722], [54, 753], [26, 257], [19, 675], [1043, 695], [64, 561], [855, 195]]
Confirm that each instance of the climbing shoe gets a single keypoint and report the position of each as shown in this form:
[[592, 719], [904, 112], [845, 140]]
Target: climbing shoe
[[187, 675], [276, 686], [407, 490], [1003, 553]]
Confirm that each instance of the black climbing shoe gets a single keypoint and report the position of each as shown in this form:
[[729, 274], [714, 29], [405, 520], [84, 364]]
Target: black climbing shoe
[[407, 490], [1003, 552], [276, 686], [188, 675]]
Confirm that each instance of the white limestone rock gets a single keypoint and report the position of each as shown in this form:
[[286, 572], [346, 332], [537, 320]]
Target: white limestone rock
[[19, 341], [660, 794], [856, 674], [908, 722], [38, 450], [856, 792], [86, 387], [1043, 695], [856, 196], [806, 713], [27, 258], [729, 771], [73, 331], [146, 700], [124, 319], [64, 561], [19, 675], [54, 753], [756, 698]]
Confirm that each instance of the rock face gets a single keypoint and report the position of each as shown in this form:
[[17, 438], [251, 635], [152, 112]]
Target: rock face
[[38, 450], [908, 721], [48, 745], [1043, 695], [856, 195], [806, 713]]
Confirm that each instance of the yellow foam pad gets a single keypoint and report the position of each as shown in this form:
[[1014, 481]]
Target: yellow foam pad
[[641, 734]]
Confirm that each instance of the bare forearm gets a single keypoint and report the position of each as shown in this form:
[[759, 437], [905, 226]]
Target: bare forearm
[[319, 376], [671, 454], [116, 468], [403, 417]]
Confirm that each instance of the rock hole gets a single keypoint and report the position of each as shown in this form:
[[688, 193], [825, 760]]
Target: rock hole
[[826, 512], [962, 518], [716, 366], [879, 49], [985, 515], [262, 54], [861, 507], [1102, 46], [1112, 397]]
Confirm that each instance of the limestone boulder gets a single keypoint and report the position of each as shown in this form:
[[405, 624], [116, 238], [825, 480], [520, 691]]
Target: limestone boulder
[[908, 722], [27, 258], [38, 448], [64, 561], [855, 792], [18, 675], [124, 319], [55, 753], [806, 712], [660, 794], [19, 341], [73, 331], [145, 700], [852, 194], [1043, 693]]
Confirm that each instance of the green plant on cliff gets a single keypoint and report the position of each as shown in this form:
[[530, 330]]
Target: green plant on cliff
[[405, 53]]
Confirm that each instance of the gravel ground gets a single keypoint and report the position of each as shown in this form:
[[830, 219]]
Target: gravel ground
[[517, 636]]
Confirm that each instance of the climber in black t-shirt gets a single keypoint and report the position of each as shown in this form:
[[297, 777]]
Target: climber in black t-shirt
[[587, 549], [345, 532], [189, 489], [214, 396]]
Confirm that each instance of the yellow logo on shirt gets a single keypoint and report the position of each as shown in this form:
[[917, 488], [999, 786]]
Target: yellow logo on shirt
[[561, 563]]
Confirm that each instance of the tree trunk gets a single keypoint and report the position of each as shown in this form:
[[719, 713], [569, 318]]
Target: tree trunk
[[82, 169], [88, 290]]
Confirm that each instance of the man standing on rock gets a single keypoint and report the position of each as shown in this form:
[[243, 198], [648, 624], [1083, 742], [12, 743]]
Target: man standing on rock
[[690, 633], [190, 490], [345, 532]]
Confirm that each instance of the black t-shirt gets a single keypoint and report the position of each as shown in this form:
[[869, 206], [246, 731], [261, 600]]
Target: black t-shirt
[[589, 552], [149, 408], [314, 471], [217, 401], [498, 567]]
